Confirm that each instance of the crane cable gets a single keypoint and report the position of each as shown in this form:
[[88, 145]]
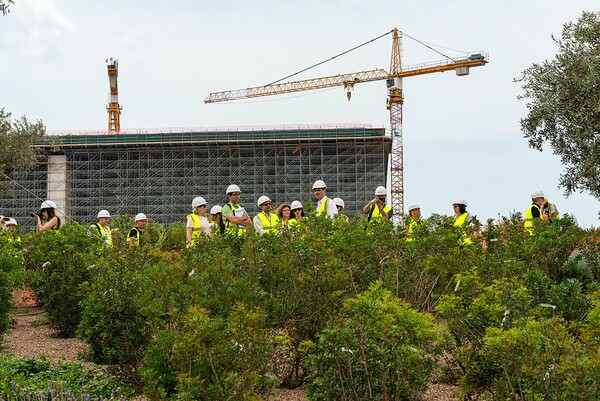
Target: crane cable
[[427, 46], [331, 58]]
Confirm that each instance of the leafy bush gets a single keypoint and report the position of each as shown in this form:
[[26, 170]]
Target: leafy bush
[[41, 379], [213, 358], [540, 360], [379, 348], [111, 321], [60, 260]]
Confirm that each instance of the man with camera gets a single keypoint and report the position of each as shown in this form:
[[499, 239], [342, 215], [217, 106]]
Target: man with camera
[[376, 208]]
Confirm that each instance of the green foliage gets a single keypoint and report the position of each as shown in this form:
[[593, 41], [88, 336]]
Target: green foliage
[[111, 321], [379, 348], [214, 358], [5, 303], [562, 97], [40, 379], [16, 137], [61, 260], [540, 360]]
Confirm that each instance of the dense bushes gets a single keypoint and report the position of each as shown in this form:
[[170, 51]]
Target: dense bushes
[[236, 314], [379, 348]]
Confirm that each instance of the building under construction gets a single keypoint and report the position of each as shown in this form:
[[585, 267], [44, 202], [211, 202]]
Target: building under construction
[[159, 173]]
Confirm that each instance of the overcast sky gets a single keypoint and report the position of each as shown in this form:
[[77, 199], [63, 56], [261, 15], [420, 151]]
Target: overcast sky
[[462, 135]]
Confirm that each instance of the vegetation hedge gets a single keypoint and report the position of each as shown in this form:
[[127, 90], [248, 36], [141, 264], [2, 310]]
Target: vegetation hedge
[[161, 312]]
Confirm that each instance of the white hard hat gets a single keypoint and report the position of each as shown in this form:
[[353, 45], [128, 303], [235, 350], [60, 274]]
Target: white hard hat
[[233, 188], [460, 202], [380, 190], [537, 194], [198, 201], [413, 206], [140, 216], [339, 202], [103, 213], [296, 205], [47, 204], [319, 184], [216, 209], [262, 200], [10, 221]]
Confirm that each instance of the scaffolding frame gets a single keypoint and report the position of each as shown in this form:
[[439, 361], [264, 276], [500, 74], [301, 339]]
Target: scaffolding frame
[[160, 173]]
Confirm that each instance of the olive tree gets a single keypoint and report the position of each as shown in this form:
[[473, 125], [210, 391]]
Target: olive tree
[[16, 137], [563, 101], [5, 6]]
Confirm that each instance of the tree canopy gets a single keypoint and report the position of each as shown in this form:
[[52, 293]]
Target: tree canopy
[[5, 6], [563, 99], [16, 137]]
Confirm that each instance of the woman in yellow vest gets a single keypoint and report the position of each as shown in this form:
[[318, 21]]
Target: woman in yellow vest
[[284, 214], [413, 219], [462, 219], [196, 222], [297, 213]]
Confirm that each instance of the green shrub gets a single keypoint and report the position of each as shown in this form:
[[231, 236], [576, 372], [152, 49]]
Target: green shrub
[[540, 360], [213, 358], [112, 324], [379, 348], [41, 379], [61, 260]]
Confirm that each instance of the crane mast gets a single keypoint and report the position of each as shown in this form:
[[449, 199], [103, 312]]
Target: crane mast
[[113, 108], [395, 100]]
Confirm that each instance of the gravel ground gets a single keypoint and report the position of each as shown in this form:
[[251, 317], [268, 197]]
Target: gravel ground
[[28, 338]]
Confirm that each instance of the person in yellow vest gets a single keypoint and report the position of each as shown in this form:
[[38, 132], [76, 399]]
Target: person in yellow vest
[[550, 210], [13, 238], [462, 219], [102, 227], [297, 213], [48, 212], [413, 220], [376, 208], [265, 221], [196, 222], [135, 234], [216, 220], [340, 205], [325, 207], [234, 215], [284, 214], [534, 211]]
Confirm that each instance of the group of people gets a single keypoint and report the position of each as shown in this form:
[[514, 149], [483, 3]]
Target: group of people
[[233, 218]]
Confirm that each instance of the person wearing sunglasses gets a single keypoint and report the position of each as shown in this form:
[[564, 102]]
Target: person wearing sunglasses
[[196, 222], [265, 221]]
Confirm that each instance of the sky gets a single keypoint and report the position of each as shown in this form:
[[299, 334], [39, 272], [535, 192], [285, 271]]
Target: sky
[[462, 136]]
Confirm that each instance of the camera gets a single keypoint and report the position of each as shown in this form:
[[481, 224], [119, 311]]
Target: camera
[[38, 213]]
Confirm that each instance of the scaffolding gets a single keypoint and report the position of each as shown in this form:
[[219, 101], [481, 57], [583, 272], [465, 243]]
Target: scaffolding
[[160, 173]]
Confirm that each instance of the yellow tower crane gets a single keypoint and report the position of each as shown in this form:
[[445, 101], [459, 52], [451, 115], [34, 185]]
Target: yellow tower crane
[[395, 99], [113, 108]]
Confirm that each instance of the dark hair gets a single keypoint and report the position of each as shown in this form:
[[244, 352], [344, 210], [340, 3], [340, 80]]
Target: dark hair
[[51, 214], [462, 208], [298, 208]]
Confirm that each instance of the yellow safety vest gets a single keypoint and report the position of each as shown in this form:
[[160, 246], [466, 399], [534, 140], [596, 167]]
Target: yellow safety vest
[[137, 236], [323, 209], [105, 234], [374, 212], [269, 224], [293, 222], [460, 222], [412, 224], [196, 229], [230, 227], [528, 218]]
